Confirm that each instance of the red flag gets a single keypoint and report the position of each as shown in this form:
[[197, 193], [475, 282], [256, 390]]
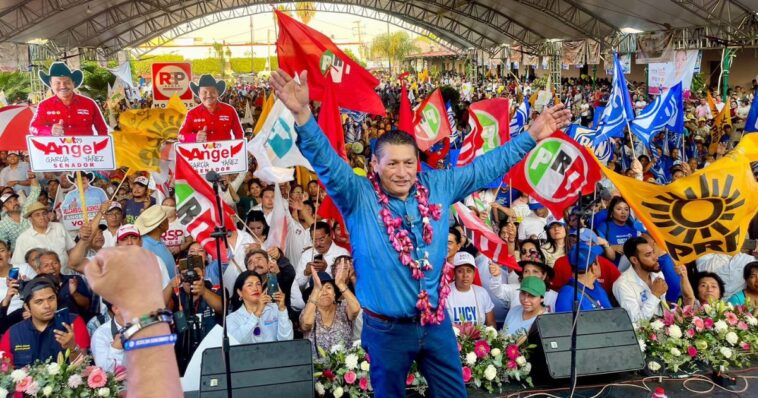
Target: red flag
[[330, 121], [484, 239], [430, 123], [555, 172], [299, 48], [405, 122], [489, 121], [438, 152]]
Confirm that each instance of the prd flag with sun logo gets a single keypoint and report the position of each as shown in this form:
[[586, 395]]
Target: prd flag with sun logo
[[707, 212], [430, 123], [555, 172]]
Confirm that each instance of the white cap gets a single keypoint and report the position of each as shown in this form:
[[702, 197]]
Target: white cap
[[464, 258], [142, 180]]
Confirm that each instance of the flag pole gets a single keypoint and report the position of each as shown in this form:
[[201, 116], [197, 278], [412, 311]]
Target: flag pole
[[313, 233], [126, 173], [248, 229], [82, 198]]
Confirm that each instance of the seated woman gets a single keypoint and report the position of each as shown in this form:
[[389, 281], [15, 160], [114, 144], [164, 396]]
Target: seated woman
[[618, 228], [522, 317], [509, 293], [749, 295], [258, 317], [330, 309], [555, 247], [710, 288]]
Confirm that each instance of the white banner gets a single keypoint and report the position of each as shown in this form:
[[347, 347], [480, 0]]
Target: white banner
[[223, 157], [71, 153], [668, 74]]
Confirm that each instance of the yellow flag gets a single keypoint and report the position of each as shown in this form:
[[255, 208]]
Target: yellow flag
[[143, 132], [707, 212], [267, 105], [423, 76], [724, 117]]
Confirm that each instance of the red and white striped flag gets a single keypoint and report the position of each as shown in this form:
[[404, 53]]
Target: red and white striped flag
[[484, 239], [489, 121]]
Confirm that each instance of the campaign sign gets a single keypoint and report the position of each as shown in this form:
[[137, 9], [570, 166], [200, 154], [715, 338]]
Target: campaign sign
[[172, 78], [223, 157], [82, 152], [71, 214]]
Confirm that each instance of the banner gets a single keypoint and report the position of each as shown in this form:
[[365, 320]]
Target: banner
[[655, 47], [585, 136], [169, 79], [223, 157], [430, 122], [667, 74], [71, 208], [277, 140], [71, 153]]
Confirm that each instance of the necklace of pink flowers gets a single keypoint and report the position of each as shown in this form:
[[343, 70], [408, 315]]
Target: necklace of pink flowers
[[401, 241]]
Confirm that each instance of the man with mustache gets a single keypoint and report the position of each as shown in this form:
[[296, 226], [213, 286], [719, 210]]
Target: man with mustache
[[212, 120]]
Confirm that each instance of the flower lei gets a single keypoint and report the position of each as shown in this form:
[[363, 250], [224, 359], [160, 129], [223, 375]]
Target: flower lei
[[400, 240]]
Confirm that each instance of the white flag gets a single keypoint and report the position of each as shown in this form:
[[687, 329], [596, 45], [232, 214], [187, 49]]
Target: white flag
[[277, 234], [248, 114]]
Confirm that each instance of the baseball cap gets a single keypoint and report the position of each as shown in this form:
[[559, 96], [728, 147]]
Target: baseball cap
[[6, 197], [534, 286], [38, 283], [115, 205], [126, 230], [464, 258], [17, 153], [584, 254], [142, 180]]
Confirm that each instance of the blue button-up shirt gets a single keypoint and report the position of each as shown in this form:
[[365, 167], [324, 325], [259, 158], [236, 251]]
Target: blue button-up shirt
[[384, 285]]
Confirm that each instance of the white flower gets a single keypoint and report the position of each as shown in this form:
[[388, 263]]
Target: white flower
[[338, 392], [726, 352], [18, 375], [456, 331], [425, 220], [495, 352], [643, 346], [491, 331], [720, 326], [357, 343], [752, 321], [351, 361], [365, 366], [337, 348], [3, 393], [490, 372], [707, 307], [471, 358], [103, 392], [675, 332], [47, 391], [53, 369], [527, 368], [657, 325], [320, 388], [675, 352], [654, 366], [520, 360], [732, 338]]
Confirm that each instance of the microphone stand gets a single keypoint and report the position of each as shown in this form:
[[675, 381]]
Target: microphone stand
[[575, 305], [219, 234]]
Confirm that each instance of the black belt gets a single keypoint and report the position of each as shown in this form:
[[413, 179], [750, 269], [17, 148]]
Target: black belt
[[411, 319]]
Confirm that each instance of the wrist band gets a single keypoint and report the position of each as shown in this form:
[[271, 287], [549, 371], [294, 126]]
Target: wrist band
[[137, 324], [148, 342]]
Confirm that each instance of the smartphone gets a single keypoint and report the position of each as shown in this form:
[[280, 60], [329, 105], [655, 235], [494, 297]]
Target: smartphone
[[62, 316], [195, 262], [318, 257], [13, 273], [182, 264], [272, 284]]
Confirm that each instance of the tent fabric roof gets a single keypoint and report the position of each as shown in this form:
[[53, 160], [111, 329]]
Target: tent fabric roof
[[485, 24]]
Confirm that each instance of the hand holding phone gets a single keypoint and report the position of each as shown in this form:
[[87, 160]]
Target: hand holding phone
[[13, 273], [62, 316], [272, 284]]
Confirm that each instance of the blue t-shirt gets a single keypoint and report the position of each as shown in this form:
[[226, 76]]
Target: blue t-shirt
[[160, 250], [618, 234], [597, 300], [514, 321]]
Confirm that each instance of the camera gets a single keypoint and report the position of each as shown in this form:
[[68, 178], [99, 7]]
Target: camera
[[190, 276]]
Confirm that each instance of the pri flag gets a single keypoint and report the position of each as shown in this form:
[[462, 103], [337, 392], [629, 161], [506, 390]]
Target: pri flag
[[666, 110], [196, 208], [299, 48], [556, 172], [430, 123], [484, 239], [489, 128], [619, 109], [706, 212]]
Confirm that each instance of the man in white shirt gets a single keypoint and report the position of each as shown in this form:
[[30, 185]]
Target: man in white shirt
[[468, 303], [15, 174], [114, 218], [43, 234], [267, 203], [533, 225], [321, 256], [107, 346], [640, 289]]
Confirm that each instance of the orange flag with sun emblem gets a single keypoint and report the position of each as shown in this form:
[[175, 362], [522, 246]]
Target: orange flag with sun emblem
[[706, 212]]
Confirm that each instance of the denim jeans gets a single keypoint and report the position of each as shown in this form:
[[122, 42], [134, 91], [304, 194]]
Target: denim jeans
[[393, 347]]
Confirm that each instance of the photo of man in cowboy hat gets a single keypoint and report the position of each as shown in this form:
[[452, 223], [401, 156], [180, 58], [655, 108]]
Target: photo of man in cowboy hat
[[71, 207], [212, 120], [66, 113]]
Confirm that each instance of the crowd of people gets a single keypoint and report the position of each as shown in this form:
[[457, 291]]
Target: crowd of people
[[310, 289]]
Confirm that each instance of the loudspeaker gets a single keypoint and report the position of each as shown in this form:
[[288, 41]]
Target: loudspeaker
[[605, 343], [278, 369]]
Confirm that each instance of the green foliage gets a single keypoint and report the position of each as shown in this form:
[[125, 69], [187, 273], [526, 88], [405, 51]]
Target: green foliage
[[698, 84], [354, 57], [15, 84], [395, 45], [96, 81], [209, 65], [142, 67]]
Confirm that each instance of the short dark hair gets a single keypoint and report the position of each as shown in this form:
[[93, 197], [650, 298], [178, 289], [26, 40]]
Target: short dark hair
[[749, 267], [630, 246], [238, 283], [312, 182], [394, 137], [5, 244], [455, 232], [254, 252], [719, 281], [31, 252], [310, 204], [323, 226], [266, 189]]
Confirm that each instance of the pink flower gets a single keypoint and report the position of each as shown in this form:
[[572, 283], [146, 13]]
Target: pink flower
[[668, 318], [708, 323], [745, 346], [33, 389], [466, 374], [690, 333], [22, 385], [119, 373], [459, 347], [731, 318], [481, 348], [410, 379], [653, 337], [350, 377], [97, 378], [512, 364], [512, 352], [469, 330], [699, 324], [368, 358], [4, 367], [88, 370], [692, 351], [74, 381], [363, 383], [741, 325], [688, 311]]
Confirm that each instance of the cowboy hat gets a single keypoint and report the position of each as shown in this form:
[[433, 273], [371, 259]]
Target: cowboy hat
[[208, 81], [34, 207], [60, 69], [151, 218], [72, 176]]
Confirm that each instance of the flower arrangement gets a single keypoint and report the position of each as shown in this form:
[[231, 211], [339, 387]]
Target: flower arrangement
[[717, 335], [60, 379]]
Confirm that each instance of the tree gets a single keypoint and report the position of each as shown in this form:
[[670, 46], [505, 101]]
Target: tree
[[96, 81], [305, 11], [15, 85], [395, 46], [354, 57]]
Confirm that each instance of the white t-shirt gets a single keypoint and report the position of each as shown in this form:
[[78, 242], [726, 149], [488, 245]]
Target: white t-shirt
[[469, 307], [175, 234]]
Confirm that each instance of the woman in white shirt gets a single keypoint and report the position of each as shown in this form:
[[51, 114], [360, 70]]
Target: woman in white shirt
[[259, 318]]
